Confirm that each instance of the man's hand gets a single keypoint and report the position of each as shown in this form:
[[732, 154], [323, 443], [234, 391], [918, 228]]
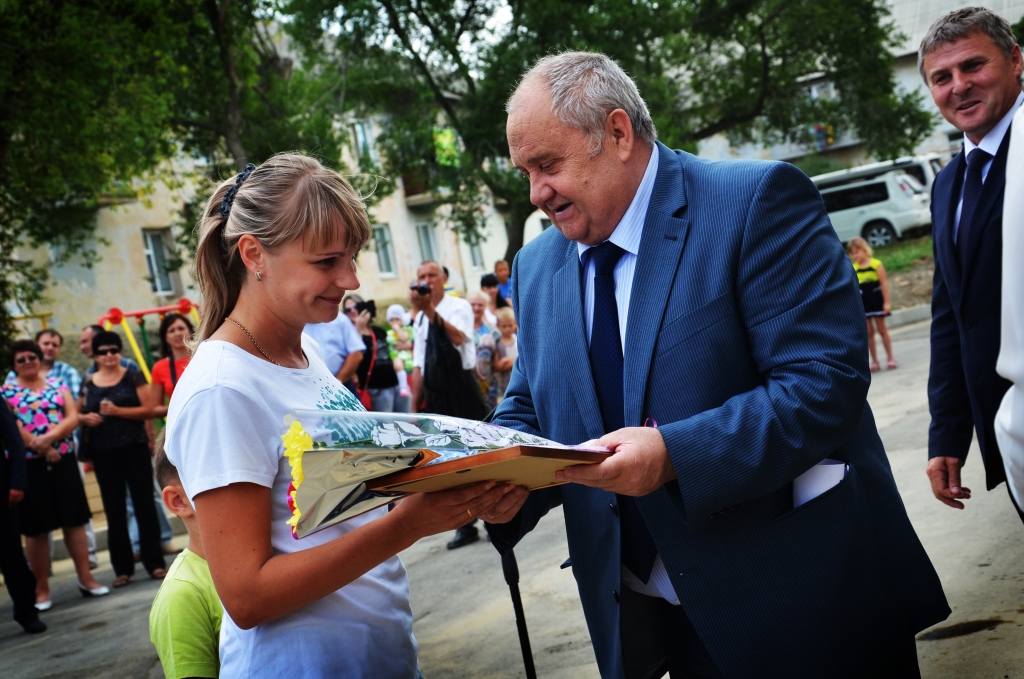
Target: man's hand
[[640, 465], [944, 474], [15, 497], [507, 507], [420, 302]]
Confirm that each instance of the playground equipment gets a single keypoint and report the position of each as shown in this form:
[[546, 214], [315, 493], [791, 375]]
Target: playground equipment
[[115, 316], [43, 318]]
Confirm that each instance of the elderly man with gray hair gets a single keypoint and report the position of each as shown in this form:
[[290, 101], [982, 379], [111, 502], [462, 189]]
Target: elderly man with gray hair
[[971, 63], [709, 332]]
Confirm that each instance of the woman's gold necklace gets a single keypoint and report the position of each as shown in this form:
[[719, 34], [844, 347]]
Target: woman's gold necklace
[[253, 339]]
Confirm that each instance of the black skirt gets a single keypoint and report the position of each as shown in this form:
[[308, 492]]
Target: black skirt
[[871, 296], [55, 497]]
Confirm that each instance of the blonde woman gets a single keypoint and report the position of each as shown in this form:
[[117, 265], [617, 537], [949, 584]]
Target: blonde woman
[[275, 252]]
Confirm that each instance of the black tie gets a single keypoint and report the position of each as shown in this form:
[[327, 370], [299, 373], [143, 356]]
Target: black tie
[[638, 550], [972, 194]]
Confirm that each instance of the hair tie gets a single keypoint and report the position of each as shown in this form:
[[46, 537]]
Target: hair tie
[[229, 197]]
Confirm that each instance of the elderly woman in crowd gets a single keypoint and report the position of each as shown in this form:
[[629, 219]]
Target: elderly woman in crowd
[[175, 331], [484, 337], [115, 403], [55, 497]]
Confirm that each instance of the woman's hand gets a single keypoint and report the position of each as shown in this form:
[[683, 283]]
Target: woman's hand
[[886, 307], [39, 444], [91, 419], [423, 514], [108, 408], [362, 322], [52, 456]]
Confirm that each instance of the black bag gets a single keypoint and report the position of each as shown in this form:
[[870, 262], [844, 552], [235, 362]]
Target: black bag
[[448, 388], [84, 433]]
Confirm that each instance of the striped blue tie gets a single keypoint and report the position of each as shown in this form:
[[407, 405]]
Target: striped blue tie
[[638, 550]]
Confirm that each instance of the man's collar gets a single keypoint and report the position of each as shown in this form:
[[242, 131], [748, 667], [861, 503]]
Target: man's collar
[[631, 227], [990, 142]]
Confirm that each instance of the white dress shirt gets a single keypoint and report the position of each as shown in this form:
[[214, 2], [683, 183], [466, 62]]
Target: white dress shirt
[[1010, 417], [627, 236], [990, 144], [459, 313]]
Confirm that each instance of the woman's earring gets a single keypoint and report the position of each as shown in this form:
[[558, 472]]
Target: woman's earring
[[258, 276]]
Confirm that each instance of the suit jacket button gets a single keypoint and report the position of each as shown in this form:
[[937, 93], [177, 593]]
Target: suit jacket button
[[614, 508], [615, 595], [968, 323]]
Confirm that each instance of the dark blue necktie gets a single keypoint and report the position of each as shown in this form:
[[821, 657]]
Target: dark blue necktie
[[638, 550], [972, 194]]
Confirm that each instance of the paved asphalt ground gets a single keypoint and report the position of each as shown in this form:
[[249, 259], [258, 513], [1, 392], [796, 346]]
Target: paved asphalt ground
[[464, 620]]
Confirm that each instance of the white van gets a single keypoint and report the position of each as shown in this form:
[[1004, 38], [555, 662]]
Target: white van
[[879, 210], [922, 168]]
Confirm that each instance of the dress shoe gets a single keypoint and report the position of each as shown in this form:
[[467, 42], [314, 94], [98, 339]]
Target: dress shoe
[[95, 591], [44, 605], [32, 625], [466, 535]]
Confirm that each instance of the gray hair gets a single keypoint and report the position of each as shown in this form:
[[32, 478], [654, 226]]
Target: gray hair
[[585, 87], [961, 23]]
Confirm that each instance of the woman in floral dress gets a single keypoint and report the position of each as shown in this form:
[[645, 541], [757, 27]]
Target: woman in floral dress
[[55, 497]]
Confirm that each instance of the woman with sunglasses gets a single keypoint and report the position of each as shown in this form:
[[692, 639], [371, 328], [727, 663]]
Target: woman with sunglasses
[[115, 404], [55, 497]]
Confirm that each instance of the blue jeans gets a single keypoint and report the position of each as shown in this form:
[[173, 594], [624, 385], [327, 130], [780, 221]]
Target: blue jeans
[[161, 516], [388, 401]]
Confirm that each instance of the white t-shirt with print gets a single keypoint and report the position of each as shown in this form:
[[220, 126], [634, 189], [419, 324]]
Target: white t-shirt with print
[[224, 426], [459, 313]]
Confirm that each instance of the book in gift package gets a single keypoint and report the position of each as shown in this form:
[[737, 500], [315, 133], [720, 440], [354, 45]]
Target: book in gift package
[[345, 463]]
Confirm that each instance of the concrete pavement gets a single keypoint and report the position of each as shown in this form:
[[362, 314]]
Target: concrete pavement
[[464, 620]]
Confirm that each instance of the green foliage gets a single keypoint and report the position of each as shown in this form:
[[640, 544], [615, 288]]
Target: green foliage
[[83, 110], [814, 164], [757, 70], [902, 255]]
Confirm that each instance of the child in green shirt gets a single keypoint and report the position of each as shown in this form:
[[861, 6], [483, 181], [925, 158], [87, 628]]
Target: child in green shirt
[[184, 623]]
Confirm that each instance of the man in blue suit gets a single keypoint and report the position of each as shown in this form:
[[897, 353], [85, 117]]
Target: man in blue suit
[[971, 63], [714, 303]]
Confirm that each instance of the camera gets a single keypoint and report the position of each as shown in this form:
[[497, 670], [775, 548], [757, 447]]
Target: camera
[[368, 305], [422, 289]]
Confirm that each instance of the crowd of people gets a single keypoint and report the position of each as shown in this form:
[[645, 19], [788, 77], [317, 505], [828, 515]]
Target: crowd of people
[[61, 423], [719, 351]]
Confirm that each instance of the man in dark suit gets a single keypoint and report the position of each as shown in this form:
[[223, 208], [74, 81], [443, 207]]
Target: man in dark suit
[[20, 582], [713, 302], [971, 63]]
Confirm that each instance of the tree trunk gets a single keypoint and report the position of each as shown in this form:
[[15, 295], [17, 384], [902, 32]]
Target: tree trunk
[[515, 226]]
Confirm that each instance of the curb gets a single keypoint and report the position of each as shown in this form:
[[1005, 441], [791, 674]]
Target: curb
[[912, 314], [61, 552]]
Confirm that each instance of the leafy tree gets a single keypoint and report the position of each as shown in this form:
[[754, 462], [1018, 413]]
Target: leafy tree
[[83, 107], [744, 68]]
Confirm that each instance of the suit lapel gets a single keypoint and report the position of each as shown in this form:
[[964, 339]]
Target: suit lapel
[[660, 247], [991, 195], [945, 211], [572, 339]]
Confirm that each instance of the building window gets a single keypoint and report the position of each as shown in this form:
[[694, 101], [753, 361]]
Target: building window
[[428, 246], [156, 261], [385, 251], [476, 255], [364, 141]]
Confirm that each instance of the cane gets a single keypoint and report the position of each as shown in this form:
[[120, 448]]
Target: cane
[[511, 570]]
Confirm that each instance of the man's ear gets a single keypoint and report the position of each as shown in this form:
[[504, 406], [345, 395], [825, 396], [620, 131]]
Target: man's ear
[[620, 128], [175, 500]]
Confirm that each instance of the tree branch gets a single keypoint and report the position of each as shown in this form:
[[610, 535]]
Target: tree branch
[[451, 47], [400, 32], [198, 124]]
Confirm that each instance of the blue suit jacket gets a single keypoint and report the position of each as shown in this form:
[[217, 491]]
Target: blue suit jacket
[[964, 390], [746, 342]]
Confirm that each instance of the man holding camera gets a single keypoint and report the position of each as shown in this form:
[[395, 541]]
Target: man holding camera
[[445, 394]]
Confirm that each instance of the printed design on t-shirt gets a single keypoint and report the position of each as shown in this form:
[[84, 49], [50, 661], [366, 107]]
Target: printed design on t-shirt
[[337, 397], [39, 411]]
